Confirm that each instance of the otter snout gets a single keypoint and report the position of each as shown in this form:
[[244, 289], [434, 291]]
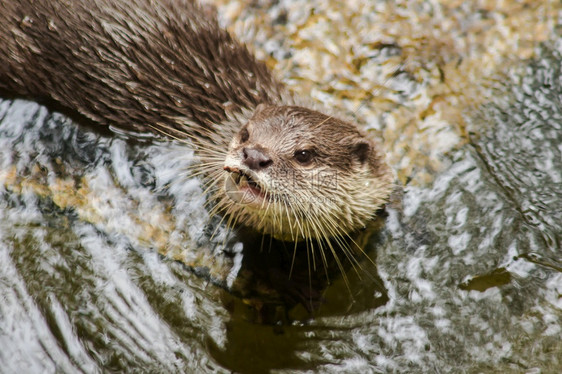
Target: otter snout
[[256, 158]]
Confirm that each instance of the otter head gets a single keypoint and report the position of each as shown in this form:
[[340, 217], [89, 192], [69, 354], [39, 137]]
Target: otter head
[[295, 173]]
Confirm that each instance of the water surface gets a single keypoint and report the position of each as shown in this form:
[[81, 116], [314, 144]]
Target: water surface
[[109, 261]]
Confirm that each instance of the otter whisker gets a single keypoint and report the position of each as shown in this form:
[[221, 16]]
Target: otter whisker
[[210, 175], [168, 134], [285, 209], [190, 135], [309, 250], [293, 259], [348, 251], [338, 262], [221, 207], [294, 210], [336, 235], [226, 216], [213, 166]]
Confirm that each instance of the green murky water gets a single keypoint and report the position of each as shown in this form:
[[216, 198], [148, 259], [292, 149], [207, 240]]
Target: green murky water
[[468, 274]]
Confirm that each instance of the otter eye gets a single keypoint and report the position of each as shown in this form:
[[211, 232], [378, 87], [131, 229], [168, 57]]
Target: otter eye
[[303, 156], [244, 135]]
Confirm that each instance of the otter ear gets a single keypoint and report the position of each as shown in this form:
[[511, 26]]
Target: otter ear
[[362, 150]]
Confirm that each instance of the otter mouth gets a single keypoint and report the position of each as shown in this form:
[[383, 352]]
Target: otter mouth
[[241, 187]]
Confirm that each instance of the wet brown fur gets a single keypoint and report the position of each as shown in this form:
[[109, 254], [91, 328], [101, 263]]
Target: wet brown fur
[[128, 63], [167, 67]]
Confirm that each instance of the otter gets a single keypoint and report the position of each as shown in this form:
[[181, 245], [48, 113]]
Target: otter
[[270, 160]]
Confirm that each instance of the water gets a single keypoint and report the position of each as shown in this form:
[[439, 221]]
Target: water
[[109, 262]]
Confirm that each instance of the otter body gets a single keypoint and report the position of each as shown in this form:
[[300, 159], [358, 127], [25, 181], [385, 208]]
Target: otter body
[[166, 67], [129, 63]]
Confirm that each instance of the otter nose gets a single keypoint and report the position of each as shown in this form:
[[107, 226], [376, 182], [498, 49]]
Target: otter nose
[[255, 159]]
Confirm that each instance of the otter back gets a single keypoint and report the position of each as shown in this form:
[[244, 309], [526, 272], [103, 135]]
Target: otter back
[[129, 63]]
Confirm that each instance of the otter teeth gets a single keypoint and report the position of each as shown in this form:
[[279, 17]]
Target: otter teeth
[[244, 180]]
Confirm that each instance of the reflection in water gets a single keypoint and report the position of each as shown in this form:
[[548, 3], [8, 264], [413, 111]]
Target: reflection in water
[[467, 278]]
